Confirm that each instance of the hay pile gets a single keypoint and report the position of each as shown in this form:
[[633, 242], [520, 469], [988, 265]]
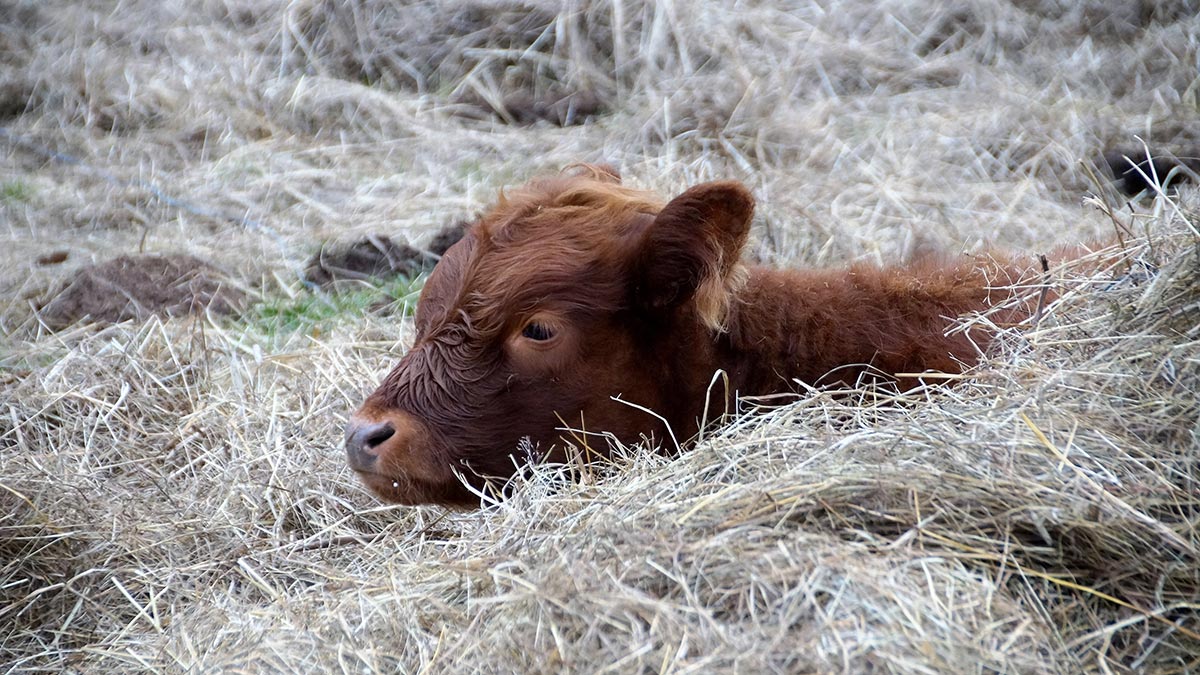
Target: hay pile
[[172, 493]]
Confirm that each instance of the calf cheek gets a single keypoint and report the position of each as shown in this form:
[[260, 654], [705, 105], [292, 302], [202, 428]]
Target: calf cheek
[[533, 410], [620, 397]]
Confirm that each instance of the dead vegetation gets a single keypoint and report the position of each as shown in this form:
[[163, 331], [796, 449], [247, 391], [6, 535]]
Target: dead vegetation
[[172, 491]]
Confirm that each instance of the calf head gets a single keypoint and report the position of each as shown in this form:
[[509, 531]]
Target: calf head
[[569, 293]]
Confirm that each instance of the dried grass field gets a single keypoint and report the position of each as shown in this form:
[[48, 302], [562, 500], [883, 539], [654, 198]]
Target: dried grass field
[[173, 495]]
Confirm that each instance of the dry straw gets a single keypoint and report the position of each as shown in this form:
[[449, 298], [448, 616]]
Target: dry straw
[[172, 495]]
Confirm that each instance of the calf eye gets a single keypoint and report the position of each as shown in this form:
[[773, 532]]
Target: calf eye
[[536, 331]]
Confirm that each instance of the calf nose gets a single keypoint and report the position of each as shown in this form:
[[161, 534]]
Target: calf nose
[[362, 440]]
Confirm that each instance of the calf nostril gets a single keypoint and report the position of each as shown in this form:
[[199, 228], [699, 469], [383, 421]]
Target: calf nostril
[[363, 439], [376, 435]]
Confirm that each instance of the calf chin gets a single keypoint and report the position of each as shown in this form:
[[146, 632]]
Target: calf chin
[[414, 492]]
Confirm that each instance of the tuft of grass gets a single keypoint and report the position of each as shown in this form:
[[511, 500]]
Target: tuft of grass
[[314, 312], [15, 191]]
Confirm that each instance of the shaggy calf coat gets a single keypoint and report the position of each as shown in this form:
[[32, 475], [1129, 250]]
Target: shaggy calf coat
[[579, 304]]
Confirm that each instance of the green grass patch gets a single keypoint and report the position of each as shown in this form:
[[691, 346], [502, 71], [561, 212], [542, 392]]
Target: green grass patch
[[313, 311], [15, 191]]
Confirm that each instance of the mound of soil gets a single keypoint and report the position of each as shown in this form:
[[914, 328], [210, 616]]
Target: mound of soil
[[510, 51], [524, 108], [136, 287], [377, 258], [447, 237], [1168, 168], [373, 258], [17, 24]]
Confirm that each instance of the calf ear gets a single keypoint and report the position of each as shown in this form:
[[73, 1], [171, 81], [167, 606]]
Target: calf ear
[[444, 284], [691, 250]]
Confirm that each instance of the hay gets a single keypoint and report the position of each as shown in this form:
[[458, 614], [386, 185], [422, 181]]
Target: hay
[[172, 492]]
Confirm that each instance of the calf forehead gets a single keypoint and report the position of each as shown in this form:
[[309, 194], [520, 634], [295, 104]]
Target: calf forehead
[[542, 258], [545, 238], [545, 258]]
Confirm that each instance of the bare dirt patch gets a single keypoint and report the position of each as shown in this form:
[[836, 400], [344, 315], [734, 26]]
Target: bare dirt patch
[[1136, 170], [377, 257], [137, 287]]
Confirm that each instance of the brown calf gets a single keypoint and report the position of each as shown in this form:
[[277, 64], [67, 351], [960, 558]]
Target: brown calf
[[576, 301]]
